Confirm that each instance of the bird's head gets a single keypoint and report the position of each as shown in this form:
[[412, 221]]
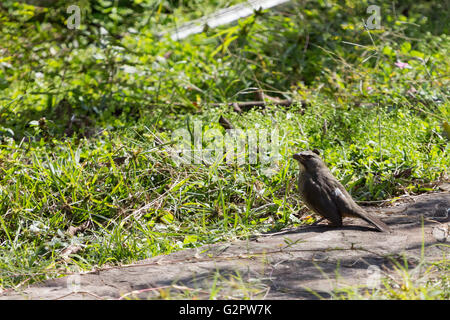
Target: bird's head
[[309, 160]]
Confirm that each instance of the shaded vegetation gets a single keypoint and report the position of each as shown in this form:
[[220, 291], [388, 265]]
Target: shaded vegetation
[[87, 116]]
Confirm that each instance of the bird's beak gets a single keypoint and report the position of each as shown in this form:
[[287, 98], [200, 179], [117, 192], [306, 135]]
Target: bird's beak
[[297, 156]]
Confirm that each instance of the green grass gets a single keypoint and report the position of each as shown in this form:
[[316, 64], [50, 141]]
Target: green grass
[[224, 286], [425, 281], [95, 159], [46, 189]]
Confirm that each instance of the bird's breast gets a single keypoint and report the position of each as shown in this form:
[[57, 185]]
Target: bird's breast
[[302, 177]]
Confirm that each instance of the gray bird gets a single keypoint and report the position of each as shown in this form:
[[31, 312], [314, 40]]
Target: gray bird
[[325, 195]]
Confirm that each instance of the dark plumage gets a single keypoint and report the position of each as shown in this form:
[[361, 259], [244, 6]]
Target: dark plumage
[[325, 195]]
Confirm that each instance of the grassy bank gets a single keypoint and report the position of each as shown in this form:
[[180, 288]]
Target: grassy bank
[[87, 177]]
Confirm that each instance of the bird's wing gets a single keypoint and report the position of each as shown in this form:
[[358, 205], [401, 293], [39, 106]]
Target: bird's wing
[[343, 200], [346, 206], [319, 200]]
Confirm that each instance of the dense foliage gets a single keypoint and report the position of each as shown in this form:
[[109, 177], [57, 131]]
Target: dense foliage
[[87, 115]]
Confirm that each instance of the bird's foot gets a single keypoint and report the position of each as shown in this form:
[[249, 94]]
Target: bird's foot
[[315, 223]]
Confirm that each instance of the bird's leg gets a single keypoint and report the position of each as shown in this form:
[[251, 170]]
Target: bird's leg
[[318, 221], [329, 223]]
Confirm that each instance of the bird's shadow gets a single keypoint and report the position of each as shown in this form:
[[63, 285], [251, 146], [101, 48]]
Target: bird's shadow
[[320, 228]]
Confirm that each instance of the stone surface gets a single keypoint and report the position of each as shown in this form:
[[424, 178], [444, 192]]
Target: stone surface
[[304, 263]]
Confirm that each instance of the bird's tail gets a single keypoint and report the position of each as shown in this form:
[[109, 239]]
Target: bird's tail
[[380, 225]]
